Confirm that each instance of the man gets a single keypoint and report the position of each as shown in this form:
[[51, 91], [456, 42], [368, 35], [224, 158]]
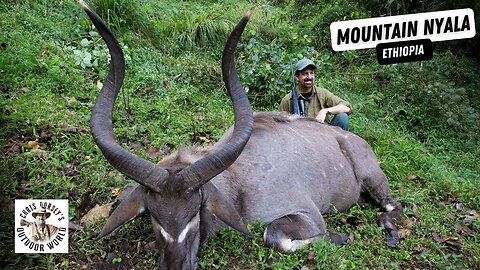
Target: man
[[39, 230], [316, 102]]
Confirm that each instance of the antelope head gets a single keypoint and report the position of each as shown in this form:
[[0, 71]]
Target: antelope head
[[173, 192]]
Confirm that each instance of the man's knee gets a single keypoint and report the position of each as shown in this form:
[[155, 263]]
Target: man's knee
[[341, 120]]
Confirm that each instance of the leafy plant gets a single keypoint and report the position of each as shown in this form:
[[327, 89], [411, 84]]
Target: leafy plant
[[265, 68], [119, 14], [89, 53]]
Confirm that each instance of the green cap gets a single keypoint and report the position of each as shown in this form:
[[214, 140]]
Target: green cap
[[304, 63]]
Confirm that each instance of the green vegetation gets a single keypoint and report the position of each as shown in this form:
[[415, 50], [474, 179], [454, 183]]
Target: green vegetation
[[421, 119]]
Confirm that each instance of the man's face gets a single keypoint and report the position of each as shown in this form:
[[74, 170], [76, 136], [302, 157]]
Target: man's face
[[306, 78], [40, 219]]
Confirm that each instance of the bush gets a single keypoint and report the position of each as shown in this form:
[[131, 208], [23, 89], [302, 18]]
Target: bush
[[316, 18], [265, 70], [118, 14]]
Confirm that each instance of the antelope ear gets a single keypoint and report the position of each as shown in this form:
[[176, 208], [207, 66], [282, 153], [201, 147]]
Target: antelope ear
[[131, 206], [222, 209]]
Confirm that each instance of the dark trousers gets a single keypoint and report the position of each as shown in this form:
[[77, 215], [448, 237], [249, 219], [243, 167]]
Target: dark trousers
[[340, 120]]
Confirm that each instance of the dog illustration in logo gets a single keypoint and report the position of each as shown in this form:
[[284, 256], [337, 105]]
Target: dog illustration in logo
[[39, 230]]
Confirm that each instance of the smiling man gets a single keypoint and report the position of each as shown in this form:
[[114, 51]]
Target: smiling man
[[39, 230], [316, 102]]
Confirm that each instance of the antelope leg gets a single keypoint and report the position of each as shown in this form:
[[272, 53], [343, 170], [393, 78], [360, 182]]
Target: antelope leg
[[294, 231]]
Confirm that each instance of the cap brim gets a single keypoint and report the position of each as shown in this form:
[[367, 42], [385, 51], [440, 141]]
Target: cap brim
[[305, 66], [34, 215]]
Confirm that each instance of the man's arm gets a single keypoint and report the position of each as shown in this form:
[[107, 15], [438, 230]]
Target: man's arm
[[340, 108], [332, 104]]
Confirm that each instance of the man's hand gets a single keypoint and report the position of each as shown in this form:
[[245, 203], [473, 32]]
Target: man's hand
[[340, 108], [322, 114]]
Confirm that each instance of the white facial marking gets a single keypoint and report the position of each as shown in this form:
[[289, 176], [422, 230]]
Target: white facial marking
[[169, 238], [166, 235], [190, 224]]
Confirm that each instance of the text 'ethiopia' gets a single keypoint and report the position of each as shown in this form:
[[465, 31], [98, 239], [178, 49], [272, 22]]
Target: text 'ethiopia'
[[404, 51]]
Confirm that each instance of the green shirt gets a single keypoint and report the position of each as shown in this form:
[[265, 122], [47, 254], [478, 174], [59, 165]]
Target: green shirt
[[320, 99]]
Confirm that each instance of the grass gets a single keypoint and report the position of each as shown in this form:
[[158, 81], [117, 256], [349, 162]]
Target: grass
[[173, 96]]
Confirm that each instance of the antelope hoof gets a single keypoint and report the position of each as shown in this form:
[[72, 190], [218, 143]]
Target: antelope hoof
[[392, 238], [340, 239]]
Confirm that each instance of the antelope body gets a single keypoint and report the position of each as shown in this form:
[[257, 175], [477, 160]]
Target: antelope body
[[273, 167]]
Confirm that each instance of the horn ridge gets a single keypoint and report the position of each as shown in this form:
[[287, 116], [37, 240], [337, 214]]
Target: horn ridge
[[216, 162], [139, 169]]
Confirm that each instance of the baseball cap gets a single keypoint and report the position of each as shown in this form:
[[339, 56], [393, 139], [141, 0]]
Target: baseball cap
[[302, 64]]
